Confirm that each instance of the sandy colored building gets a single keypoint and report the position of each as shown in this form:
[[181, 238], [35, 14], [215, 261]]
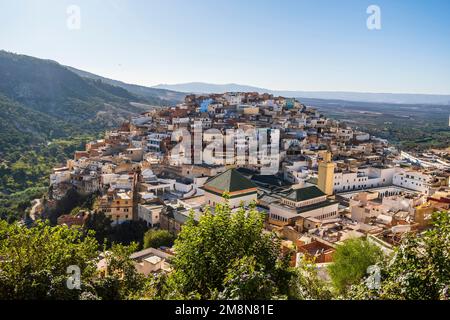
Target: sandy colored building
[[117, 205]]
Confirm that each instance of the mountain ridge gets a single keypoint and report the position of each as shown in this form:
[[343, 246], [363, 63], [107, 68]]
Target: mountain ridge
[[170, 96], [45, 86], [399, 98]]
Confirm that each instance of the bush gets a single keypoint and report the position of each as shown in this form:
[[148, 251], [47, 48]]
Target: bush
[[351, 261], [419, 269], [214, 254], [158, 238]]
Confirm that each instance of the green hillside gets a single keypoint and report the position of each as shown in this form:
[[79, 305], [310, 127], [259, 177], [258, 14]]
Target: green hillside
[[47, 112], [156, 95]]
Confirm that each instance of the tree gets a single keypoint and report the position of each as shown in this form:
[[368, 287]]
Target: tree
[[155, 287], [69, 202], [307, 285], [350, 262], [246, 280], [121, 279], [34, 261], [209, 249], [158, 238], [34, 264], [101, 225], [419, 269], [128, 232]]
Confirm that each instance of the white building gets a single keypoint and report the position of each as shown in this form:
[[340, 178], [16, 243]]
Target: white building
[[413, 180], [362, 136], [233, 98], [150, 213], [345, 134], [306, 202], [59, 176], [155, 141], [363, 178], [151, 260]]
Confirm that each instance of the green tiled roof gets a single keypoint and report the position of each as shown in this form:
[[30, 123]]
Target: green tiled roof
[[306, 193], [230, 181]]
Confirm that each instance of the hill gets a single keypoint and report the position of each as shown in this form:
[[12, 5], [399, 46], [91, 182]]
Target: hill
[[154, 95], [50, 88], [47, 111]]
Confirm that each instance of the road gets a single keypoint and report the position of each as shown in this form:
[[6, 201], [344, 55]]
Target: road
[[36, 204]]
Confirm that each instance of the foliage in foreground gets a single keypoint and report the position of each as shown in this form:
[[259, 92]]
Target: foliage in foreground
[[34, 262], [125, 233], [227, 255], [306, 284], [222, 256], [420, 268], [350, 262], [158, 238]]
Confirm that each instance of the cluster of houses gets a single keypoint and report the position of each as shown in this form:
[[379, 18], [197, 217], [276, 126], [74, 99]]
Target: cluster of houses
[[331, 182]]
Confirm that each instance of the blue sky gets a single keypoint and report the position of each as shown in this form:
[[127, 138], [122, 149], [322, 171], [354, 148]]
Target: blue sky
[[286, 45]]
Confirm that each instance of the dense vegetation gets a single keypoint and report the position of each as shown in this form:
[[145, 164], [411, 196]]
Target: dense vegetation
[[106, 234], [25, 170], [34, 265], [419, 270], [13, 207], [350, 262], [158, 238], [225, 255], [26, 166]]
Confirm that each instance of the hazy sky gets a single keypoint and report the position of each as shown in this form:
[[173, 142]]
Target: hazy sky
[[289, 45]]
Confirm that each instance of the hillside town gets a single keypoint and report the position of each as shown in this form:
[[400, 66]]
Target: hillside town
[[327, 181]]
